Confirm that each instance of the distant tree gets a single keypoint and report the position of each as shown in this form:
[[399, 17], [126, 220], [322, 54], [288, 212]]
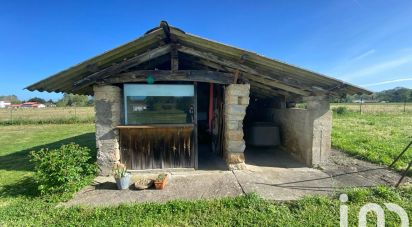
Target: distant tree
[[398, 94], [74, 100], [37, 99], [11, 98]]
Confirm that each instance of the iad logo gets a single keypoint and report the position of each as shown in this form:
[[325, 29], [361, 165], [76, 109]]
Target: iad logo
[[371, 207]]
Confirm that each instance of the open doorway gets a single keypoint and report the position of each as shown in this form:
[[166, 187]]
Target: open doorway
[[263, 136], [209, 126]]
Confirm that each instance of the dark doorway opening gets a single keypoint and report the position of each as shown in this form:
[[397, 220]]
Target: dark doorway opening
[[209, 125], [263, 137]]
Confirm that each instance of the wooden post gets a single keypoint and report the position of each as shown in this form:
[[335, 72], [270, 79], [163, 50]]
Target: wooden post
[[404, 174], [174, 60], [210, 117], [404, 106], [360, 106], [195, 144]]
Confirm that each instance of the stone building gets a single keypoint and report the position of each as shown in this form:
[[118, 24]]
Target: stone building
[[163, 98]]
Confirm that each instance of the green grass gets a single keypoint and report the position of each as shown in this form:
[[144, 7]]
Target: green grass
[[17, 141], [244, 210], [378, 137], [21, 205], [49, 115]]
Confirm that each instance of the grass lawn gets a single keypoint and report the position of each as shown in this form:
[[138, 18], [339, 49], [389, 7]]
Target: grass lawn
[[21, 205], [378, 137]]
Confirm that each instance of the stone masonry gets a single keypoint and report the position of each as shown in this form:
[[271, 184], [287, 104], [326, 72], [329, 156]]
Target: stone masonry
[[236, 102], [108, 103], [306, 133]]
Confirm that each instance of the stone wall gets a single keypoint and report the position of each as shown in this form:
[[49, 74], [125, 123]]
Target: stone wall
[[236, 102], [306, 133], [108, 107]]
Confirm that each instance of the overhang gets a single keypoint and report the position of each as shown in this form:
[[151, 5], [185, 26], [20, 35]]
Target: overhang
[[266, 76]]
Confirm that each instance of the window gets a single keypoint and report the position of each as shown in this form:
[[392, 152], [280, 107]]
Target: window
[[158, 104]]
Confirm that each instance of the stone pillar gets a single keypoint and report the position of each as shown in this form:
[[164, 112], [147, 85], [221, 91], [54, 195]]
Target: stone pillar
[[108, 108], [321, 118], [236, 102]]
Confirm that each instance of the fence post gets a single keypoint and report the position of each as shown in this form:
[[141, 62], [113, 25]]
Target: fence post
[[404, 106], [11, 115], [360, 106]]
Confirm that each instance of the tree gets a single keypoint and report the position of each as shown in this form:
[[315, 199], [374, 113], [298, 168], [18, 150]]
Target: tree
[[74, 100], [37, 99], [11, 98]]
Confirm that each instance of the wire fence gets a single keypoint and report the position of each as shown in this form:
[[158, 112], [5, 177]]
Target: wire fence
[[375, 107], [46, 115], [87, 114]]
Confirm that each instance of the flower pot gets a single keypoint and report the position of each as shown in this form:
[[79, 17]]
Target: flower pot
[[123, 182], [159, 185]]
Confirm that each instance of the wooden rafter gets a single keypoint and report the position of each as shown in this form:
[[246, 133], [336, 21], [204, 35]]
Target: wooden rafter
[[168, 75], [225, 62], [114, 69], [174, 59]]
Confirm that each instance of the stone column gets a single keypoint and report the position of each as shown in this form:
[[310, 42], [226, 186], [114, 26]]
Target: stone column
[[321, 118], [236, 102], [108, 104]]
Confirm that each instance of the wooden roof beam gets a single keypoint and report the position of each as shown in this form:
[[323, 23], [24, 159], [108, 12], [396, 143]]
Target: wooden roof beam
[[169, 75], [213, 58], [114, 69], [269, 90], [174, 59]]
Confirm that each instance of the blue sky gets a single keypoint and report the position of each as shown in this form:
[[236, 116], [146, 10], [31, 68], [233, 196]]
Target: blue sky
[[368, 43]]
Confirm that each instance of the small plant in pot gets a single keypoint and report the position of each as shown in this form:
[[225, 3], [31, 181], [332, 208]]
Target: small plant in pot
[[121, 176], [161, 181]]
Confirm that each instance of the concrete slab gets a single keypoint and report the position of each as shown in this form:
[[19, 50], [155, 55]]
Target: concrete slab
[[183, 186], [285, 184], [272, 174]]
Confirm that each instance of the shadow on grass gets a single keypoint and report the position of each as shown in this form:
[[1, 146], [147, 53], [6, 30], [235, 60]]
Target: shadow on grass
[[20, 161], [26, 187]]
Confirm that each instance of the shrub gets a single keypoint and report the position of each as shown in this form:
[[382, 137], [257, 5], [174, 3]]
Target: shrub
[[63, 171], [341, 110]]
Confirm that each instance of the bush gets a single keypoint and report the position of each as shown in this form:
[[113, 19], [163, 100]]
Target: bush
[[63, 171], [341, 110]]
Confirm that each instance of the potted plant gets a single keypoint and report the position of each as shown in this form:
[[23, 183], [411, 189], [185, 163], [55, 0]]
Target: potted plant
[[161, 181], [121, 176]]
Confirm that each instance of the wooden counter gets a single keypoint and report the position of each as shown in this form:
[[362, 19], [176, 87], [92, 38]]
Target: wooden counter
[[156, 126]]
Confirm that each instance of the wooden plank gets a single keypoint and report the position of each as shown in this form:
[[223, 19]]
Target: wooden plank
[[156, 126], [114, 69], [167, 75], [275, 68], [225, 62], [217, 66], [195, 132], [64, 79], [154, 148], [237, 53], [174, 60]]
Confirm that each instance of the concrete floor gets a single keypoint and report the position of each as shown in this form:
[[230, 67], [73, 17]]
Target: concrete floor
[[271, 173]]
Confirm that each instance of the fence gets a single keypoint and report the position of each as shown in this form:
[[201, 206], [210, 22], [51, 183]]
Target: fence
[[376, 107], [86, 114], [45, 115]]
